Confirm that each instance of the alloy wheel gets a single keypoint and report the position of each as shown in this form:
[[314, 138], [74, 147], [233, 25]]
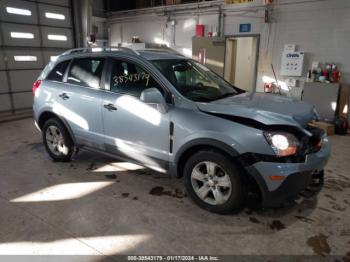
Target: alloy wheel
[[55, 141], [211, 183]]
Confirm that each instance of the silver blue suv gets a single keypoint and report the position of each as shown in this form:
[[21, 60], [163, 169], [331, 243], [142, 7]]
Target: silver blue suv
[[174, 115]]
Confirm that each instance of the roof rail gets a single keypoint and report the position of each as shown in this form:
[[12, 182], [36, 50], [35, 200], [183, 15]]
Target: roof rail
[[99, 49], [164, 50], [119, 48]]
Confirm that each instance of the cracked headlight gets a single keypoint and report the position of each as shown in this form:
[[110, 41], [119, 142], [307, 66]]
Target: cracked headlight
[[284, 144]]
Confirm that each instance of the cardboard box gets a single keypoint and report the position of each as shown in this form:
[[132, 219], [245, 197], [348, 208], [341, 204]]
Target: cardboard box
[[327, 127]]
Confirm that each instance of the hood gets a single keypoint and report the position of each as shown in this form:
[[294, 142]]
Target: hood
[[267, 109]]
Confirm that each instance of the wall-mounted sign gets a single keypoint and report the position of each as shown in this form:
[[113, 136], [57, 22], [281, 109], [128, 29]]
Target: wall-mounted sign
[[245, 28], [238, 1]]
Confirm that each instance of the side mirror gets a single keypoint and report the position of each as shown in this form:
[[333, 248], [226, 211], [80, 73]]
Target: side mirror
[[153, 96]]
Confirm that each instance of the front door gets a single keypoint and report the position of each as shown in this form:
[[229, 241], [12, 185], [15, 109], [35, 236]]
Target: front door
[[132, 128]]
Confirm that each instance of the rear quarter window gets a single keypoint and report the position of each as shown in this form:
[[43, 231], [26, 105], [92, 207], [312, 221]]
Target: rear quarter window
[[58, 71]]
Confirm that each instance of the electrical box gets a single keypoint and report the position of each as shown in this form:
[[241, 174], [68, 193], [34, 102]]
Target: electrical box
[[292, 63]]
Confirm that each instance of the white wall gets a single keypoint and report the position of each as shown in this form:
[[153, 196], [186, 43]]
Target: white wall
[[320, 28]]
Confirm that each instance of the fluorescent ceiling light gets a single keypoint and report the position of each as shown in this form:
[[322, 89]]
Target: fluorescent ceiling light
[[25, 58], [22, 35], [55, 16], [18, 11], [57, 37]]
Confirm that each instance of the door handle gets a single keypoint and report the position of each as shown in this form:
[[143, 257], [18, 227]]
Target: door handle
[[110, 107], [64, 96]]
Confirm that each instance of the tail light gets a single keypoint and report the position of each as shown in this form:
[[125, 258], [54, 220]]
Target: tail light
[[36, 85]]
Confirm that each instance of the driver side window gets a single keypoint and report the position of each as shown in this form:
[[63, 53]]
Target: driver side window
[[129, 78]]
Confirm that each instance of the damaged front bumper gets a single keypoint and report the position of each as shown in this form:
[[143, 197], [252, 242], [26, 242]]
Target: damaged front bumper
[[299, 179]]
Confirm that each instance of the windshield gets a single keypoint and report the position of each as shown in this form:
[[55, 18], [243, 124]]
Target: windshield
[[195, 81]]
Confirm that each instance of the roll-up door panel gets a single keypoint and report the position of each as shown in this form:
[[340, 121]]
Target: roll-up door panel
[[32, 31], [23, 100], [49, 54], [23, 80], [56, 2], [22, 59], [57, 37], [5, 103], [20, 35], [4, 87], [54, 15], [18, 11], [2, 63]]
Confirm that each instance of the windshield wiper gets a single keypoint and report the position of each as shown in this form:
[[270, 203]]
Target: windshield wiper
[[201, 99], [224, 96]]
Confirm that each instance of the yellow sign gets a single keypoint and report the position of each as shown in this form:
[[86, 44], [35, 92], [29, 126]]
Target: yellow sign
[[238, 1]]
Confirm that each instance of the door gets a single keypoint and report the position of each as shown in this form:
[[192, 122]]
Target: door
[[133, 128], [241, 62], [213, 51], [29, 37], [79, 100]]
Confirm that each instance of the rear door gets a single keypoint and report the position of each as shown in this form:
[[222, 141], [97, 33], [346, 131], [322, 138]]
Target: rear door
[[133, 128], [79, 100]]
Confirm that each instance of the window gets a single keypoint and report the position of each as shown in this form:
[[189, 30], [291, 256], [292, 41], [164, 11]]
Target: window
[[58, 72], [53, 58], [25, 58], [22, 35], [86, 72], [54, 16], [18, 11], [57, 37], [131, 79]]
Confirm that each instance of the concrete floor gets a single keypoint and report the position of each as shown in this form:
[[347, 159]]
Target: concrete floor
[[99, 206]]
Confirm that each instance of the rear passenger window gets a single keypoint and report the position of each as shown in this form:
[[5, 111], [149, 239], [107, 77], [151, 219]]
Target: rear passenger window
[[86, 72], [58, 72], [128, 78]]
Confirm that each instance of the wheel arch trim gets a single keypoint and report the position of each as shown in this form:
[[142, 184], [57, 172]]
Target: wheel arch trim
[[199, 142], [51, 114]]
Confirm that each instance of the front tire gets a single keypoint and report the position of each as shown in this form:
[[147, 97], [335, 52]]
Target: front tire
[[215, 182], [57, 141]]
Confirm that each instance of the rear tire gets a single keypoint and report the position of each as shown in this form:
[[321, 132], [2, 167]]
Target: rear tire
[[57, 140], [215, 182]]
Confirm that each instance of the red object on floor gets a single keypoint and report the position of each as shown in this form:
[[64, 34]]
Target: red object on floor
[[200, 30], [268, 88]]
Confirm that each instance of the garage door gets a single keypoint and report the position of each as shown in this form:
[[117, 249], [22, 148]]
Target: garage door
[[31, 33]]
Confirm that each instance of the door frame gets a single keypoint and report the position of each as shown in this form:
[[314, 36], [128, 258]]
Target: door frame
[[257, 36]]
